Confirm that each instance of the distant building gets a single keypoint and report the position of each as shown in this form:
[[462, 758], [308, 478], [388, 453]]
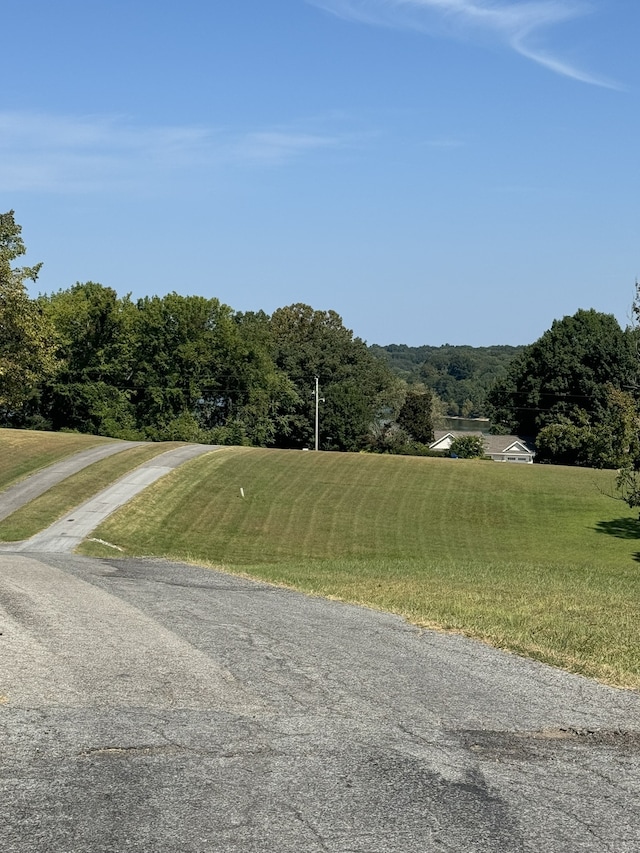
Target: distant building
[[501, 448]]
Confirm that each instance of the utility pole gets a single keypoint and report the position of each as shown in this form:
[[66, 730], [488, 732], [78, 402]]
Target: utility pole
[[319, 400]]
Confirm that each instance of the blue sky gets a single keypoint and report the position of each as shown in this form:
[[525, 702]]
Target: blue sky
[[437, 171]]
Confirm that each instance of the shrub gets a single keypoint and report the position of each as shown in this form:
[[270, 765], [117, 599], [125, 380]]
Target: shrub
[[467, 447]]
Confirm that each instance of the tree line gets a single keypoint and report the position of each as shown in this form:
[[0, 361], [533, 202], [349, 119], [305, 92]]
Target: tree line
[[191, 368], [185, 367], [573, 393], [460, 376]]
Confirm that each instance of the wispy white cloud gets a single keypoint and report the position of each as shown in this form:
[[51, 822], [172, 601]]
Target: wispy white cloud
[[518, 24], [278, 146], [53, 153]]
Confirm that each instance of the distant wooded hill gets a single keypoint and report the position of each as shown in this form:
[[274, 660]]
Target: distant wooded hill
[[460, 375]]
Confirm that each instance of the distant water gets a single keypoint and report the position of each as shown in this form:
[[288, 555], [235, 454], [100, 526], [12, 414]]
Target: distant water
[[476, 424]]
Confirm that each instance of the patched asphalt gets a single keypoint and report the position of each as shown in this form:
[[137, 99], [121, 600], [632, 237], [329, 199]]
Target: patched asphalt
[[157, 707], [154, 706]]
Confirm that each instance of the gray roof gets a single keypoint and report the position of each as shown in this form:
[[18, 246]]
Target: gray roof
[[493, 443]]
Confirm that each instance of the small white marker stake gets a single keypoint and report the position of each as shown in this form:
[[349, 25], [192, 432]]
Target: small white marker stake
[[241, 492]]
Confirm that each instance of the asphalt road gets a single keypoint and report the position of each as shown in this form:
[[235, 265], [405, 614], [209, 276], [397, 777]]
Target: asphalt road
[[156, 707]]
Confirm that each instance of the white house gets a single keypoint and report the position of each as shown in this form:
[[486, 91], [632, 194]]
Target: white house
[[501, 448]]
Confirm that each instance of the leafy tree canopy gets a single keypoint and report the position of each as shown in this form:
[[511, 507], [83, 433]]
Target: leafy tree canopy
[[566, 374], [189, 367], [26, 337], [416, 416], [467, 447], [355, 385], [460, 376]]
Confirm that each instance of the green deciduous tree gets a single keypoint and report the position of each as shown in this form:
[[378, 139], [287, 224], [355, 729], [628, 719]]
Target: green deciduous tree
[[416, 416], [27, 350], [560, 388], [354, 384], [91, 390], [200, 370], [184, 352], [628, 480], [609, 443], [467, 447]]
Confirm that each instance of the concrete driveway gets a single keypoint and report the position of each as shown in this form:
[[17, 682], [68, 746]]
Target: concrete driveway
[[162, 708], [69, 531], [39, 482]]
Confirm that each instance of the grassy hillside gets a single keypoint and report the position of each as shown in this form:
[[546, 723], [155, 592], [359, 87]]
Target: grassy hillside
[[532, 558], [24, 451]]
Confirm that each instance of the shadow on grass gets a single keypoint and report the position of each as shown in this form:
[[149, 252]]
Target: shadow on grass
[[621, 528]]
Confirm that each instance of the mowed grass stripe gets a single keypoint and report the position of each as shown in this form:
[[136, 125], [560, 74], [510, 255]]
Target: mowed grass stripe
[[327, 505], [24, 451], [515, 555], [53, 504]]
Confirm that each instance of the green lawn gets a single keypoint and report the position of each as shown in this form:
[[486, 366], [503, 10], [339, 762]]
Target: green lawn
[[24, 451], [537, 559]]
